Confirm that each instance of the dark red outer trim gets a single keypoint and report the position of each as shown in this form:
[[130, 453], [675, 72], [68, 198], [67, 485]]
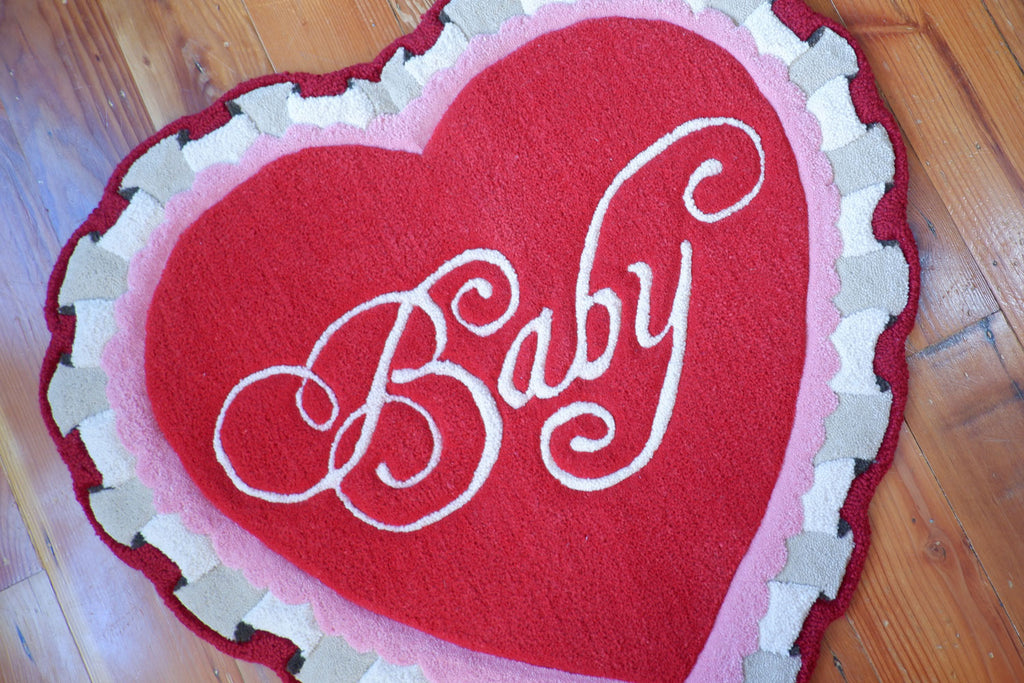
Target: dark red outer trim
[[264, 648], [890, 224]]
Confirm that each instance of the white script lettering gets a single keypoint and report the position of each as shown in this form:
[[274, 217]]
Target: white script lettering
[[582, 367]]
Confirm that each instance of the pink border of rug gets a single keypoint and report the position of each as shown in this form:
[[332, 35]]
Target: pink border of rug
[[735, 633]]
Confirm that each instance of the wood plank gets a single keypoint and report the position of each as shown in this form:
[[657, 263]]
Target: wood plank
[[184, 54], [35, 644], [29, 245], [920, 574], [408, 12], [1008, 17], [60, 142], [319, 36], [843, 657], [966, 410], [120, 624], [18, 559], [962, 110], [995, 74], [876, 16], [969, 43], [956, 293], [70, 101]]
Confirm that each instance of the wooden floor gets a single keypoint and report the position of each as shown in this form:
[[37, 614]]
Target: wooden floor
[[942, 597]]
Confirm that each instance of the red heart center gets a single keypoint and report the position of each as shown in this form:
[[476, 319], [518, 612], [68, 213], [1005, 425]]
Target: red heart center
[[329, 323]]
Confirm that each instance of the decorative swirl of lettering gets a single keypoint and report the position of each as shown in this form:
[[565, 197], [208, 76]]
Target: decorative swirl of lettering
[[537, 387], [581, 367], [666, 398], [378, 396]]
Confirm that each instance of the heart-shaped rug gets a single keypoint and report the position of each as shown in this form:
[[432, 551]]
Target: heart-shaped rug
[[565, 340]]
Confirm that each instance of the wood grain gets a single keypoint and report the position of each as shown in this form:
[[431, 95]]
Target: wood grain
[[956, 294], [843, 657], [71, 102], [921, 572], [317, 37], [35, 644], [202, 48], [63, 64], [18, 559], [970, 408], [408, 12], [1008, 17], [967, 136], [942, 595]]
